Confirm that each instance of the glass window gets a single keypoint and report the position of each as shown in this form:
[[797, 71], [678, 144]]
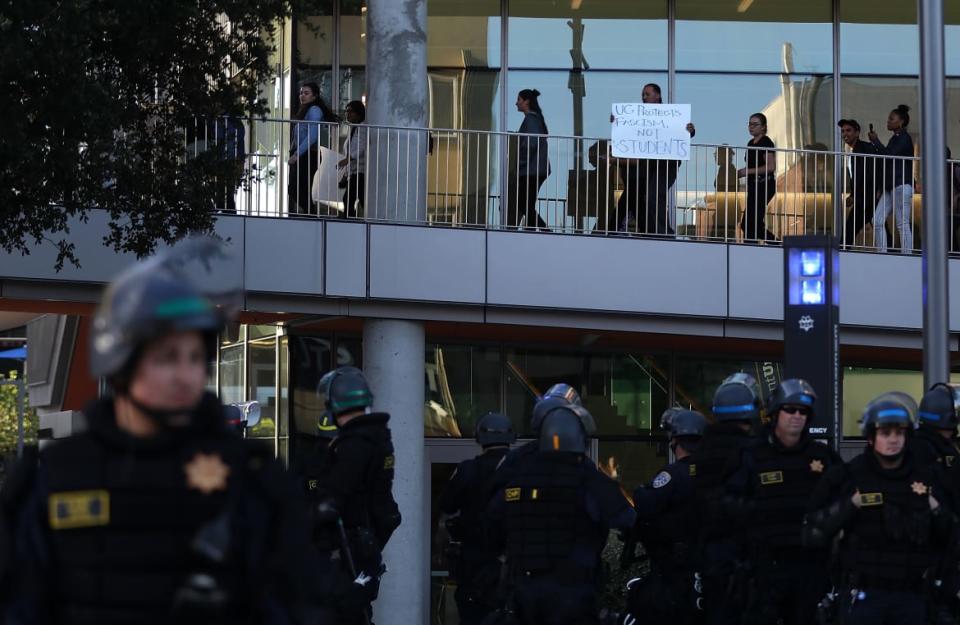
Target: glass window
[[353, 33], [310, 358], [879, 38], [764, 35], [463, 33], [869, 100], [605, 34], [951, 11], [862, 384], [626, 394], [315, 36], [462, 385], [698, 379], [231, 375], [262, 385]]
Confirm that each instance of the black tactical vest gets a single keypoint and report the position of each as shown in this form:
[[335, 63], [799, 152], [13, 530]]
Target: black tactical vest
[[374, 508], [676, 523], [477, 490], [928, 444], [783, 480], [545, 513], [121, 520], [718, 455], [889, 544]]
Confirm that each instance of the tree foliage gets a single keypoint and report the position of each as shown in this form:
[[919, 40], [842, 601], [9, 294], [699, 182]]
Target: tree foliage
[[99, 99], [8, 417]]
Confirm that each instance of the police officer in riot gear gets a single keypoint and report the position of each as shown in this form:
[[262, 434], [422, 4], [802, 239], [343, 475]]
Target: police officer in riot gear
[[158, 512], [888, 507], [357, 482], [310, 468], [784, 468], [720, 489], [560, 394], [475, 566], [666, 526], [554, 515]]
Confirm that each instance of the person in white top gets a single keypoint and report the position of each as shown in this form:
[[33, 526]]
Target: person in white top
[[353, 180]]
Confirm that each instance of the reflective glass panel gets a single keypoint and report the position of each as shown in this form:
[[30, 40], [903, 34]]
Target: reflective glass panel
[[879, 37], [951, 14], [463, 33], [315, 36], [598, 34], [462, 385], [755, 35], [231, 374], [262, 386], [862, 384], [869, 100]]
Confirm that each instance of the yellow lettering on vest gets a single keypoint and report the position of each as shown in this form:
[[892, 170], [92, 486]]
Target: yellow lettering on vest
[[388, 462], [871, 499], [512, 494], [79, 508], [771, 477], [534, 494], [693, 470]]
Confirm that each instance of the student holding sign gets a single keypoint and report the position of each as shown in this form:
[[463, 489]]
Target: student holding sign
[[760, 179]]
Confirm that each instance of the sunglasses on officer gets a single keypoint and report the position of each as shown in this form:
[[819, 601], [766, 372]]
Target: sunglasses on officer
[[803, 410]]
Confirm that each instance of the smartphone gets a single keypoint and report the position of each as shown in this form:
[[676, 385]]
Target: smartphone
[[871, 127]]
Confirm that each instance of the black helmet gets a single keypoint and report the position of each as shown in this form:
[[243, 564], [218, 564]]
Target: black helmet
[[345, 389], [938, 406], [889, 409], [737, 399], [562, 430], [682, 422], [495, 429], [192, 286], [556, 396], [791, 392]]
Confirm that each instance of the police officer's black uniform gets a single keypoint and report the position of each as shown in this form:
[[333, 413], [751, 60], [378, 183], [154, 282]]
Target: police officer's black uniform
[[310, 467], [475, 566], [358, 481], [720, 489], [554, 515], [789, 579], [890, 541], [189, 525], [667, 529]]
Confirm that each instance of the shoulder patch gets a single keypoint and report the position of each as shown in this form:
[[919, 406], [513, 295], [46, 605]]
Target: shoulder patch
[[388, 462], [771, 477], [661, 480], [79, 508], [312, 484], [948, 460], [511, 494], [871, 499], [693, 470]]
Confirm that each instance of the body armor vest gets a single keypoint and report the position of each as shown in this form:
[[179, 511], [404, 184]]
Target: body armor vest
[[719, 453], [889, 544], [545, 512], [122, 521], [480, 470], [930, 442], [783, 479], [674, 526]]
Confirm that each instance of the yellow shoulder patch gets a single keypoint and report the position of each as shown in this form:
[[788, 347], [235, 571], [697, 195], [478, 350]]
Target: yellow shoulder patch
[[771, 477], [388, 462], [312, 484], [871, 499], [693, 470], [511, 494], [79, 508]]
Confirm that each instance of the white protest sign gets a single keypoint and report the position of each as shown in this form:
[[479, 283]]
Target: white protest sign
[[657, 131]]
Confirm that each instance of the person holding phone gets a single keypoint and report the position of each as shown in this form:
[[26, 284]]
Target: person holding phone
[[897, 181]]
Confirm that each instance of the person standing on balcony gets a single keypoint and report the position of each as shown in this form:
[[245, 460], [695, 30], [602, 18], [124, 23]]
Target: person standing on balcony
[[353, 181], [532, 164], [761, 184], [897, 176], [305, 147], [862, 180]]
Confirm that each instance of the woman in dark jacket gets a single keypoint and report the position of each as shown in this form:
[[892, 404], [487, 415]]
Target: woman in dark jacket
[[761, 183], [305, 147], [897, 177], [532, 165]]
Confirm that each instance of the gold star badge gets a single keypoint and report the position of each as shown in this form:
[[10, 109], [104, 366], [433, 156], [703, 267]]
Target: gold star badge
[[919, 488], [207, 473], [816, 466]]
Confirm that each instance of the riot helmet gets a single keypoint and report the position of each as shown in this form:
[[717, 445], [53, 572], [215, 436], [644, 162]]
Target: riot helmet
[[737, 399], [890, 409], [192, 286], [495, 429], [562, 430], [345, 390], [686, 427], [792, 392], [556, 396], [938, 406], [327, 426]]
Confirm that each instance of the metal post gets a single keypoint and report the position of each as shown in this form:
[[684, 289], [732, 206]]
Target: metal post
[[936, 331], [838, 169]]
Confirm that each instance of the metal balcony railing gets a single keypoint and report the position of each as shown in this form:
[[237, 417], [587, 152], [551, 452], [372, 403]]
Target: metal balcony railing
[[567, 184]]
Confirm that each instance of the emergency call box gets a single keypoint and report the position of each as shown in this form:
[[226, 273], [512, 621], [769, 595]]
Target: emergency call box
[[811, 326]]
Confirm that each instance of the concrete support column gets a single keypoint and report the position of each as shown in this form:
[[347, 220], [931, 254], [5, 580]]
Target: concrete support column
[[396, 102], [393, 353]]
